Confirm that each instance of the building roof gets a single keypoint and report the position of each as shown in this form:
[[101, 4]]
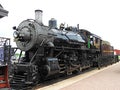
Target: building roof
[[3, 12]]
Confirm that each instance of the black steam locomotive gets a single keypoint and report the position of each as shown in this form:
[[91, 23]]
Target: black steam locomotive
[[50, 51]]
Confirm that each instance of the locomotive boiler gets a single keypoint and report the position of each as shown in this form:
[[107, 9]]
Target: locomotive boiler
[[50, 51]]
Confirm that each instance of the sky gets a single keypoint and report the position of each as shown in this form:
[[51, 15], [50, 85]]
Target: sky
[[101, 17]]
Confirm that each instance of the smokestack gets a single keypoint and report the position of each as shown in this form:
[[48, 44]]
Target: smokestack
[[38, 16]]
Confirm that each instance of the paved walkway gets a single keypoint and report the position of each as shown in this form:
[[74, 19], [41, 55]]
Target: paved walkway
[[108, 79]]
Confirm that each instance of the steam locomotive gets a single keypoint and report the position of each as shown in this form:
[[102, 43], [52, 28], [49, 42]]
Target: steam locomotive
[[50, 51]]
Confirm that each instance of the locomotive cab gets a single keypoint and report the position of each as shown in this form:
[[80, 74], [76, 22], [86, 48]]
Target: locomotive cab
[[92, 41]]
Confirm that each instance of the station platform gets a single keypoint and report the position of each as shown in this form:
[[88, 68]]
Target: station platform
[[107, 79]]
